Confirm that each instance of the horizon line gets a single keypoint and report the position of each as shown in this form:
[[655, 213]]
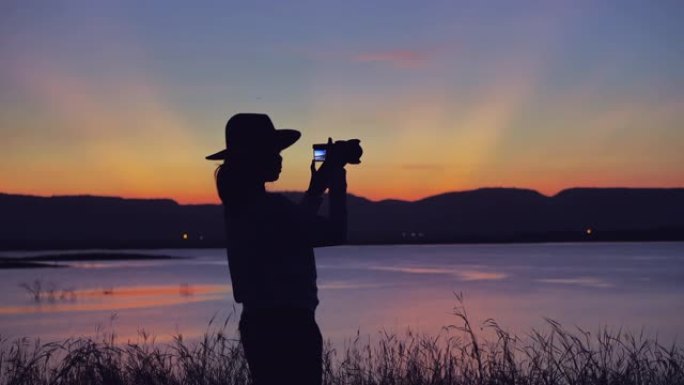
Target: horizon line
[[356, 195]]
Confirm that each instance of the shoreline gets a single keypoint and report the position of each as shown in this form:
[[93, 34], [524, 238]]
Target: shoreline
[[51, 260], [57, 249]]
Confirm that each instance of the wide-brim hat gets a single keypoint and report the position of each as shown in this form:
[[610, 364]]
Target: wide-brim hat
[[246, 132]]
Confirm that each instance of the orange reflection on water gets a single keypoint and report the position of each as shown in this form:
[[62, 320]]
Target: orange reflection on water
[[163, 290], [131, 297], [476, 275], [579, 281], [341, 285], [467, 274]]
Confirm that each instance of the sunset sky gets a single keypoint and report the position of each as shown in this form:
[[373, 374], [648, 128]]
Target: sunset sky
[[125, 98]]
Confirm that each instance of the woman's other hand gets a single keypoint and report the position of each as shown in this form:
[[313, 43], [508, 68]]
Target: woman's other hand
[[331, 172]]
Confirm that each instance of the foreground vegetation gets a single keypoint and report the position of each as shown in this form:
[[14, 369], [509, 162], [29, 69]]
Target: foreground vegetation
[[455, 356]]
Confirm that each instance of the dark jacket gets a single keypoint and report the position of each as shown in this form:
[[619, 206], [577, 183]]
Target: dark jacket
[[270, 242]]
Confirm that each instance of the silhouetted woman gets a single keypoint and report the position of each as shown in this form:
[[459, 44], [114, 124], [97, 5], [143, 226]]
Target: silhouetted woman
[[270, 243]]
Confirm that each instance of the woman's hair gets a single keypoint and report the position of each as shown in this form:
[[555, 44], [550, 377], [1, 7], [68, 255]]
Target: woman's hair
[[221, 178], [236, 182], [231, 182]]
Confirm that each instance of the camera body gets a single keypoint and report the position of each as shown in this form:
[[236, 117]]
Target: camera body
[[349, 151]]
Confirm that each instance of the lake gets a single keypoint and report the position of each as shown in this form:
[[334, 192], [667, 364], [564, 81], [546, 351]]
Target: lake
[[638, 287]]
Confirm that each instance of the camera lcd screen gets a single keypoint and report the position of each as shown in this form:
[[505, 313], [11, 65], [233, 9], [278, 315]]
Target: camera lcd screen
[[319, 154]]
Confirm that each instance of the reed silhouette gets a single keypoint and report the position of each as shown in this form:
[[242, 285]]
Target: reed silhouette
[[458, 355]]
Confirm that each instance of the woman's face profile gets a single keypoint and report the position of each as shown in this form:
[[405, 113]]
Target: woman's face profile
[[264, 166], [271, 167]]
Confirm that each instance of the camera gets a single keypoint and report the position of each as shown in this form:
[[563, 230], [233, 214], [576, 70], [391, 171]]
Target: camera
[[349, 151], [319, 151]]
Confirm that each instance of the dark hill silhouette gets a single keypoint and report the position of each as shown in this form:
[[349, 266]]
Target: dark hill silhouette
[[483, 215]]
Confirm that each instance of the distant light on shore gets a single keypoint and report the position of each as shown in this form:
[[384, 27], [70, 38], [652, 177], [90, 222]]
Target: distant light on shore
[[185, 236]]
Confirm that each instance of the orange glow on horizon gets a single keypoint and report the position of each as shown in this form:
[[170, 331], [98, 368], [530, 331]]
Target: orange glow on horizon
[[437, 143], [373, 193]]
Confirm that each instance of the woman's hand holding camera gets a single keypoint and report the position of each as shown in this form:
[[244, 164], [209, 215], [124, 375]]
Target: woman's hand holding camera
[[331, 174]]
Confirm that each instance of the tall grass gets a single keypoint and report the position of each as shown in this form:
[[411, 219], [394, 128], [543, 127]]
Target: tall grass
[[457, 355]]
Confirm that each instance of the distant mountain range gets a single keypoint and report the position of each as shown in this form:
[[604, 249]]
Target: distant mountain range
[[483, 215]]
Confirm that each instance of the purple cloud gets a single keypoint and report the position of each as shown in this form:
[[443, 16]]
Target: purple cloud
[[397, 58]]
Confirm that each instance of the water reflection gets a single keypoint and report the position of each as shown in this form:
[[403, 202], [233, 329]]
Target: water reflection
[[463, 273], [122, 298], [580, 281], [340, 285], [371, 288]]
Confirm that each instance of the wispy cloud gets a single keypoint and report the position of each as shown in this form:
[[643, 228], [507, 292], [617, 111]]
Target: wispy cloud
[[401, 58], [422, 166]]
